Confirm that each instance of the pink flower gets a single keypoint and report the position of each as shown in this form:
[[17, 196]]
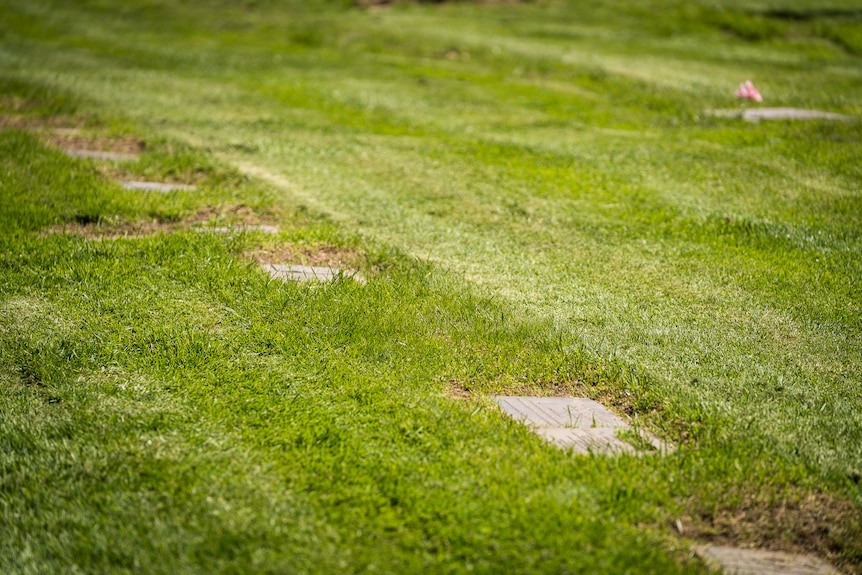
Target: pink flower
[[749, 92]]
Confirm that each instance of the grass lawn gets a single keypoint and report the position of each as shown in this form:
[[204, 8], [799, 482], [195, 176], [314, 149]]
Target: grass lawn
[[540, 203]]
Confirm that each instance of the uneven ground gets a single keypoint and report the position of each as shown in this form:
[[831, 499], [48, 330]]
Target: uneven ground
[[541, 205]]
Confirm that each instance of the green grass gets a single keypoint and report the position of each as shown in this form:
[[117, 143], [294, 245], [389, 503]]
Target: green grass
[[541, 205], [168, 407]]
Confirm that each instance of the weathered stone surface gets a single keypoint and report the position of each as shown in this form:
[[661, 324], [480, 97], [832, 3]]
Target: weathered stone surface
[[758, 114], [755, 562], [155, 186], [309, 273], [97, 155], [234, 229], [560, 412], [578, 423], [599, 439]]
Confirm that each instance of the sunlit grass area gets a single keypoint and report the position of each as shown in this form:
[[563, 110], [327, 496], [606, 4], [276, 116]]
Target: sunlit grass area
[[542, 203]]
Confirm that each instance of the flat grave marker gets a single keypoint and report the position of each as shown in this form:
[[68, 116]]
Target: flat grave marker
[[578, 423], [759, 114], [235, 229], [155, 186], [309, 273], [755, 562], [99, 155]]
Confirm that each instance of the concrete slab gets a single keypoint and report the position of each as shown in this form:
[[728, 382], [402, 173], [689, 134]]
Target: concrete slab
[[581, 424], [309, 273], [155, 186], [755, 562], [599, 439], [562, 412], [234, 229], [97, 155], [759, 114]]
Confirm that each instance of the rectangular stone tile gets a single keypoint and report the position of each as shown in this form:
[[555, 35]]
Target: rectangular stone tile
[[759, 114], [235, 229], [560, 412], [756, 562], [97, 155], [309, 273], [155, 186], [597, 439], [581, 424]]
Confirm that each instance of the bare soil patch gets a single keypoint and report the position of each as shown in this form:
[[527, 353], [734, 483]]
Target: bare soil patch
[[241, 215], [118, 228], [458, 390], [59, 122], [75, 139], [113, 229], [812, 522], [309, 255], [71, 133], [120, 173]]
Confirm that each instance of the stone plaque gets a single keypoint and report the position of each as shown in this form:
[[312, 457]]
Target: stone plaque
[[236, 229], [97, 155], [755, 562], [758, 114], [309, 273], [156, 186], [578, 423]]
